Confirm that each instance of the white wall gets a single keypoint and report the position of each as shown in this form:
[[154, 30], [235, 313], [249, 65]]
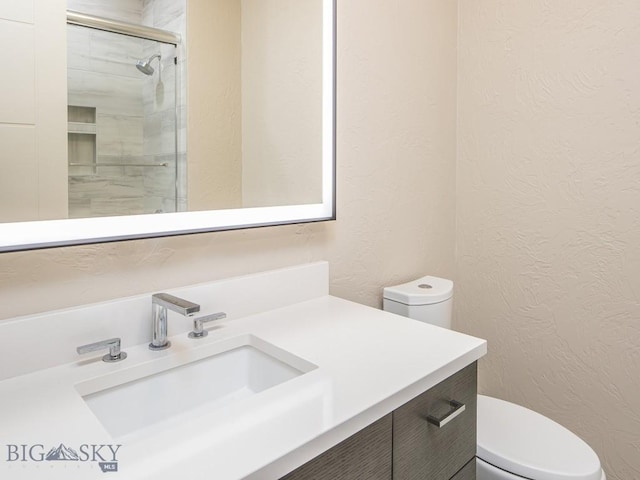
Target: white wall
[[548, 211], [33, 179], [396, 179]]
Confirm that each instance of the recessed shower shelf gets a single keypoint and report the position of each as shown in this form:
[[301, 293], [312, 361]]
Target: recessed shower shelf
[[82, 128]]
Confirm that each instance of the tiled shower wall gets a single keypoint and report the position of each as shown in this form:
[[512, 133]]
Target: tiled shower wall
[[136, 120]]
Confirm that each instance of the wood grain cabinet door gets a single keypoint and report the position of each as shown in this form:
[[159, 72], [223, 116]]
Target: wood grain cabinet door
[[365, 455], [424, 451], [468, 472]]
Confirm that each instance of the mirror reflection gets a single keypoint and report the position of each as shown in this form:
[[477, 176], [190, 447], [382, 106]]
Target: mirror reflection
[[228, 116], [122, 129]]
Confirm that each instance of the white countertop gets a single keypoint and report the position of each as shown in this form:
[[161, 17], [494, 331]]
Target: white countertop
[[369, 363]]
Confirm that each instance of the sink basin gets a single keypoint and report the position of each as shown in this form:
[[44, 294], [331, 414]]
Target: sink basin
[[245, 367]]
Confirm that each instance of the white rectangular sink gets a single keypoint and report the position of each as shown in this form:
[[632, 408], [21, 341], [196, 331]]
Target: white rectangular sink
[[245, 367]]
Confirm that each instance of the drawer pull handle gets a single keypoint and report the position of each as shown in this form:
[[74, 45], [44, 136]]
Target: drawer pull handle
[[456, 409]]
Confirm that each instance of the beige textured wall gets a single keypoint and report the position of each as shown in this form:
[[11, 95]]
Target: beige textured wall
[[281, 102], [396, 178], [214, 134], [548, 253]]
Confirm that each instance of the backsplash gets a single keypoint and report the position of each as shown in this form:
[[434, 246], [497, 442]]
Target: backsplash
[[52, 337]]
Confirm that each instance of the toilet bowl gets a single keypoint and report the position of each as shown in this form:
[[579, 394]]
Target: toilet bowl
[[514, 443]]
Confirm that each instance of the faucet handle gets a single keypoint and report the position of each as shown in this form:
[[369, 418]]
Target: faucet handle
[[198, 331], [113, 344]]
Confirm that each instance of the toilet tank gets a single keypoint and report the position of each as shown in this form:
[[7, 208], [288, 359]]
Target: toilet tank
[[427, 299]]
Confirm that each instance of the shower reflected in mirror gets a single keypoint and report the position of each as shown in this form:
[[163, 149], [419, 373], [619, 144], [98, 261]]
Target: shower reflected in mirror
[[122, 136]]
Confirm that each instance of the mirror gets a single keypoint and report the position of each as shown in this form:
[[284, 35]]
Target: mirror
[[248, 104]]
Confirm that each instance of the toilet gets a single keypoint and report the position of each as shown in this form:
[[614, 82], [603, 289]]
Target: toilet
[[514, 443]]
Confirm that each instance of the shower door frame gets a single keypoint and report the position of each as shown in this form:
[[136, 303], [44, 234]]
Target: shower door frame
[[123, 28]]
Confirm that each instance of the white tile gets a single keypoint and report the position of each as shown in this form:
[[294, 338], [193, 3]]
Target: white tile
[[165, 11], [78, 47], [19, 167], [119, 135], [17, 10], [103, 52], [115, 54], [105, 207], [110, 94], [125, 10], [17, 82], [111, 191]]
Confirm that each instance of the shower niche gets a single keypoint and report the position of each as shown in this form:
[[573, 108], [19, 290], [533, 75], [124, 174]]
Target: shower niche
[[82, 140], [123, 127]]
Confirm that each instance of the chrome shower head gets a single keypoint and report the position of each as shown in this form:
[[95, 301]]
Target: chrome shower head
[[145, 65]]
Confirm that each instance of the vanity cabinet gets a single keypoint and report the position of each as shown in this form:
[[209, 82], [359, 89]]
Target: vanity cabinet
[[423, 450], [405, 445], [367, 455], [468, 472]]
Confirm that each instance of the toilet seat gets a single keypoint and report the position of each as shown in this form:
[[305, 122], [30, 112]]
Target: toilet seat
[[523, 442]]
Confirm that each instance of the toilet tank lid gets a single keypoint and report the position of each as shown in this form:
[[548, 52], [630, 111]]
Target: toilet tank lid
[[526, 443], [423, 291]]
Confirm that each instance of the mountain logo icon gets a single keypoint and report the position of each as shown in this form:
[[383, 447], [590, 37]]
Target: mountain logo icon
[[62, 454]]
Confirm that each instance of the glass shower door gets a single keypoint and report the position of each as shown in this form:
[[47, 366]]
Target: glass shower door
[[122, 130]]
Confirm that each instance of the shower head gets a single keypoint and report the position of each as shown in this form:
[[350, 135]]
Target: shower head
[[145, 65]]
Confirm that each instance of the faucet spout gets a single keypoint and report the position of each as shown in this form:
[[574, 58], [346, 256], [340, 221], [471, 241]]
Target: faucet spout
[[160, 303]]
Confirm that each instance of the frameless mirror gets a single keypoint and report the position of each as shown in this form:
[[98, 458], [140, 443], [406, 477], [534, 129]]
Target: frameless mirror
[[136, 119]]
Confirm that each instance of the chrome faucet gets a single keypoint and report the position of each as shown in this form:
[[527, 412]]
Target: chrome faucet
[[160, 302]]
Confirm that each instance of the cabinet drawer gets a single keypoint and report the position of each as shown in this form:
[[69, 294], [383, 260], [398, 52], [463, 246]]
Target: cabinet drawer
[[365, 455], [422, 450], [468, 472]]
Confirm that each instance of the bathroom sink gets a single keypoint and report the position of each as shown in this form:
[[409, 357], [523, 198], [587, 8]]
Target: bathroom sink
[[245, 367]]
